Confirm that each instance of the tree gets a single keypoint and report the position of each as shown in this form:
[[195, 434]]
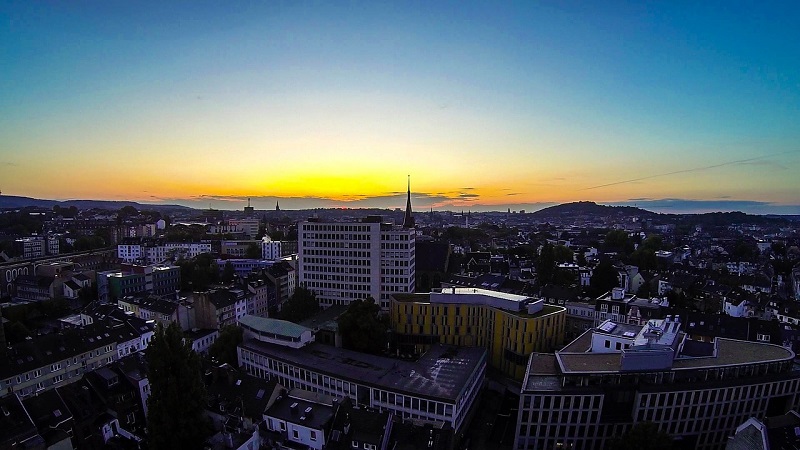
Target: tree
[[253, 251], [362, 328], [546, 267], [228, 272], [224, 348], [604, 277], [563, 254], [176, 417], [643, 435], [617, 240], [128, 211], [302, 305]]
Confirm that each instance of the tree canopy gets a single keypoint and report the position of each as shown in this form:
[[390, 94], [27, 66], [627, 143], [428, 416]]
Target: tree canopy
[[361, 327], [176, 417], [224, 348], [197, 273], [253, 251], [302, 305], [604, 277]]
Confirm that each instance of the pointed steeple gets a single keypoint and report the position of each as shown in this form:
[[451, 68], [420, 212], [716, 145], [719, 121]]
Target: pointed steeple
[[408, 220], [277, 206]]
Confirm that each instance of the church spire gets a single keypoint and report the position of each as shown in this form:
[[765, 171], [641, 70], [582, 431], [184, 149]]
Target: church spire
[[408, 220]]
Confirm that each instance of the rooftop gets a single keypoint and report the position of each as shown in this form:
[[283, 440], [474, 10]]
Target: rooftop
[[296, 407], [430, 299], [577, 358], [441, 373], [273, 326]]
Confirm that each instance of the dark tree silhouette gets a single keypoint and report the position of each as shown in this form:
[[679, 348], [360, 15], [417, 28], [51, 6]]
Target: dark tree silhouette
[[362, 328], [175, 418], [224, 348]]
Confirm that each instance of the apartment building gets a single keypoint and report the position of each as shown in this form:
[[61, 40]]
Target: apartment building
[[132, 279], [52, 360], [617, 375], [149, 251], [441, 386], [345, 261], [509, 326]]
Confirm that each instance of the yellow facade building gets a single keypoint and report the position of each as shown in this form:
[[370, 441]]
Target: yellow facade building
[[509, 326]]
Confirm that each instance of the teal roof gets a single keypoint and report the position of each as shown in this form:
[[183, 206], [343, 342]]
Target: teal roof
[[273, 326]]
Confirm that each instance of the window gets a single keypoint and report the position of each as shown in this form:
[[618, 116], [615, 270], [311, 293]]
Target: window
[[295, 434], [313, 435]]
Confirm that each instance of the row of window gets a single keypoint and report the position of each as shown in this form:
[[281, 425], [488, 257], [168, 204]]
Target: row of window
[[407, 406]]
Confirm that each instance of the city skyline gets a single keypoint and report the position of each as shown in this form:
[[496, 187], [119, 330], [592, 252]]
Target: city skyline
[[683, 108]]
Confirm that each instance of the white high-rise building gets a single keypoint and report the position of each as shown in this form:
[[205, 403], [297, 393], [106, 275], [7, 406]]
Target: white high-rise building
[[270, 250], [345, 261]]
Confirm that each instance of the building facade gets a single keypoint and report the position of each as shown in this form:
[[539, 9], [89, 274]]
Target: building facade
[[509, 326], [617, 375], [439, 387], [343, 262]]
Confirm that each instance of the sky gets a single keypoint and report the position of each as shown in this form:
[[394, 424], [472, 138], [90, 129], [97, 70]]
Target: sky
[[672, 106]]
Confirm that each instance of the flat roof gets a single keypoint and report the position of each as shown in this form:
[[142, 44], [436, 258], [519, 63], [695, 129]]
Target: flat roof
[[441, 373], [575, 358], [468, 291], [273, 326], [426, 298]]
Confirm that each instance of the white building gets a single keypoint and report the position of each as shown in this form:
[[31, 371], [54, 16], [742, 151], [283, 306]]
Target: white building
[[247, 226], [440, 387], [145, 252], [270, 250], [342, 262]]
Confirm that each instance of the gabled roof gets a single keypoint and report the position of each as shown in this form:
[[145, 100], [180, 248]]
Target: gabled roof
[[45, 350], [34, 280], [222, 298], [154, 304], [15, 425], [47, 409], [232, 388], [72, 285]]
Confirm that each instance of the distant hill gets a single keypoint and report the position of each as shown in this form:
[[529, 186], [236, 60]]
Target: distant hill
[[14, 202], [590, 209]]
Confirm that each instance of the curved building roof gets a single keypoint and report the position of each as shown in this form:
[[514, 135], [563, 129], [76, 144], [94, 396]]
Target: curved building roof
[[273, 326]]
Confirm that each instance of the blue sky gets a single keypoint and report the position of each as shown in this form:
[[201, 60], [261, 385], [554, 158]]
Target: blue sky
[[486, 106]]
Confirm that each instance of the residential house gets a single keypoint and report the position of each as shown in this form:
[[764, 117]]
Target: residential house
[[219, 307], [161, 310], [301, 418], [52, 419]]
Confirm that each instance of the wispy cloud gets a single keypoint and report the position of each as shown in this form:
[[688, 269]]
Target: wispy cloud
[[695, 169]]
